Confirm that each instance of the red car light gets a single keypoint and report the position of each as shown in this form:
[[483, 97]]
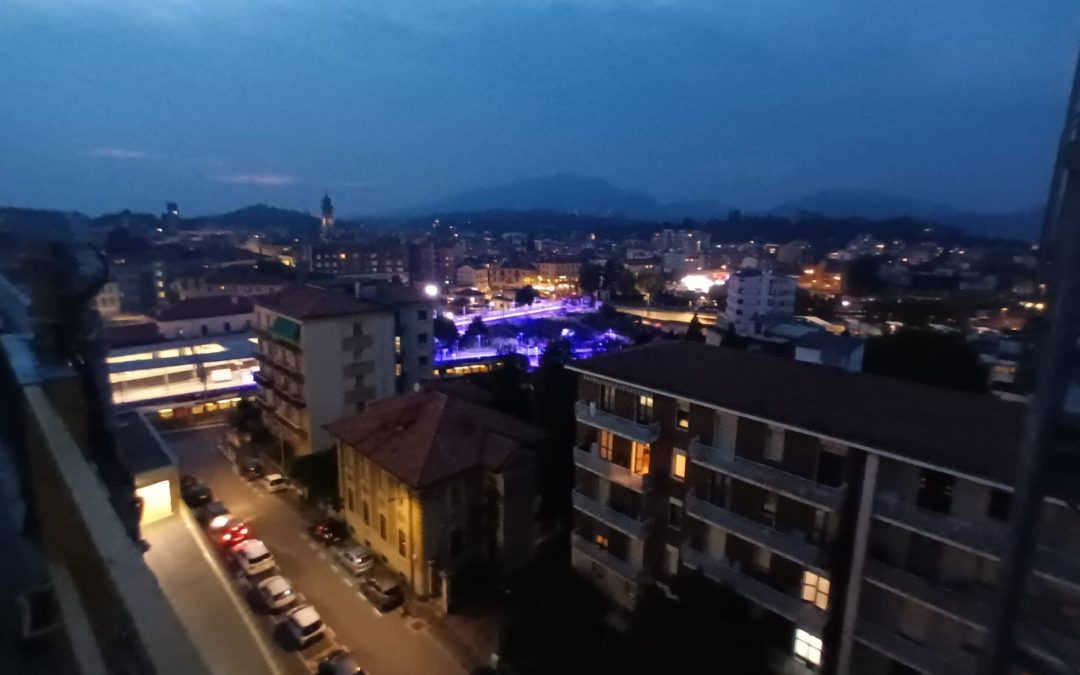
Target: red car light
[[226, 537], [244, 531]]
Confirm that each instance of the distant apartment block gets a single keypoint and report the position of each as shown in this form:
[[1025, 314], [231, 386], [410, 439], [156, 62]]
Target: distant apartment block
[[863, 516], [322, 356], [227, 282], [380, 260], [754, 294], [107, 301]]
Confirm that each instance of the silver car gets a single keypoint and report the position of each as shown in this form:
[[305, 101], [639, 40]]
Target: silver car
[[276, 592], [357, 559]]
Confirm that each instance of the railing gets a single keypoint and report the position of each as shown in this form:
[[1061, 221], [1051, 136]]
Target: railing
[[769, 477], [296, 400], [262, 380], [962, 605], [985, 537], [355, 343], [922, 658], [359, 395], [803, 614], [593, 462], [628, 525], [789, 545], [358, 369], [624, 569], [588, 413], [1052, 562]]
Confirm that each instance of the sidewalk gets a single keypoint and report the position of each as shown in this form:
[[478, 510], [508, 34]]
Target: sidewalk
[[471, 637]]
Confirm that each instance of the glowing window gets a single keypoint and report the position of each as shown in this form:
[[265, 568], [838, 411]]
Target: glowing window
[[602, 541], [678, 464], [606, 443], [682, 415], [816, 589], [807, 647]]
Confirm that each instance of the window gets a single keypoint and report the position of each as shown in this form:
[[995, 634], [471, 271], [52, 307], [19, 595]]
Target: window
[[401, 545], [367, 514], [671, 560], [675, 514], [935, 490], [645, 409], [807, 647], [423, 361], [815, 589], [421, 338], [421, 315], [352, 506], [1000, 504], [382, 526], [457, 542], [768, 506], [678, 464], [397, 344], [641, 458], [762, 560], [228, 327], [682, 415], [605, 441], [607, 397], [602, 541], [774, 447], [397, 370]]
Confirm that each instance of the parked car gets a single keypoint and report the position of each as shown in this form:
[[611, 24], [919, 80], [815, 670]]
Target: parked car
[[188, 481], [196, 494], [250, 468], [232, 533], [339, 662], [358, 559], [274, 482], [383, 591], [213, 516], [276, 592], [253, 557], [329, 531], [304, 624]]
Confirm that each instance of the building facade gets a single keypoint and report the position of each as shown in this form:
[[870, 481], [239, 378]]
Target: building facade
[[862, 516], [208, 315], [322, 355], [754, 294], [378, 260]]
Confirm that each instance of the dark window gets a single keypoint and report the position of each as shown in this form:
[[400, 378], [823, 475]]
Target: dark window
[[830, 469], [1000, 504], [367, 514], [352, 507], [228, 328], [935, 490], [924, 557], [682, 415], [401, 548], [675, 515], [382, 526], [457, 542], [421, 338], [607, 397], [421, 315], [423, 360]]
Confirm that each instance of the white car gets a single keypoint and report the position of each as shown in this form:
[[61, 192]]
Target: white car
[[253, 557], [358, 559], [274, 482], [305, 624], [276, 592]]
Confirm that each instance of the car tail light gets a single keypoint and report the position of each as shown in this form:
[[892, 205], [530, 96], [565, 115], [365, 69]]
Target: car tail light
[[226, 537], [244, 531]]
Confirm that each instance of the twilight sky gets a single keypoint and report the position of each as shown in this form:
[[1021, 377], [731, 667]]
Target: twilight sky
[[107, 104]]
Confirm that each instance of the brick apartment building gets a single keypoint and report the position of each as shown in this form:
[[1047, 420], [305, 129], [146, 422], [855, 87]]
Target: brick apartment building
[[863, 516]]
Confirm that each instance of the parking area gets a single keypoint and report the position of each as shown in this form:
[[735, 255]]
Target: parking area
[[383, 644]]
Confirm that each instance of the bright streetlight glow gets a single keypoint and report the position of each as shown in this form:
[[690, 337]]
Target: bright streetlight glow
[[431, 290]]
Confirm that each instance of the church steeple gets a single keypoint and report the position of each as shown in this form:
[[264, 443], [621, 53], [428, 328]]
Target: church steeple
[[327, 216]]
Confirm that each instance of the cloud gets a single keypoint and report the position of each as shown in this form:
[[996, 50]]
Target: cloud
[[119, 153], [259, 179]]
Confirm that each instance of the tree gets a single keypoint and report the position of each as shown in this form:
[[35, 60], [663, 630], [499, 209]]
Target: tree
[[864, 277], [245, 418], [525, 295], [121, 240], [922, 355], [509, 384], [651, 283], [694, 332], [318, 472], [589, 279], [446, 332], [554, 393], [476, 330]]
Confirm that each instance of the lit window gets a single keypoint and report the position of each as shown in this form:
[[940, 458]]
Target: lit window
[[397, 344], [641, 458], [401, 543], [816, 589], [678, 464], [602, 541], [606, 442], [682, 415], [807, 647], [645, 409]]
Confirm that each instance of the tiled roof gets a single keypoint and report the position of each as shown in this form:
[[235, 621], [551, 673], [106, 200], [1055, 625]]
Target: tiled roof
[[426, 436], [312, 302], [204, 307], [972, 434]]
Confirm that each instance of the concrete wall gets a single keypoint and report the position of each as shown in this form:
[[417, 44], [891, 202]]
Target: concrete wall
[[211, 325]]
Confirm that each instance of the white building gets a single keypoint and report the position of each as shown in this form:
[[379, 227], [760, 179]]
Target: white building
[[107, 301], [203, 316], [754, 294], [323, 356]]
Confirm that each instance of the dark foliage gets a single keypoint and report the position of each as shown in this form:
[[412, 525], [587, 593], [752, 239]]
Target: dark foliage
[[694, 332], [445, 332], [476, 329], [931, 357], [526, 295], [864, 277], [589, 278], [318, 472]]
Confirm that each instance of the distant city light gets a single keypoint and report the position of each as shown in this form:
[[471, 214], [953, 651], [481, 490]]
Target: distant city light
[[448, 315], [699, 282], [845, 303], [431, 290]]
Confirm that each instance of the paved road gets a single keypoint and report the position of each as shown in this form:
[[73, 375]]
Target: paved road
[[387, 644]]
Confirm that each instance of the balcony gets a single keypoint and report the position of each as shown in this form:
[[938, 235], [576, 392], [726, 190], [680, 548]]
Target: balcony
[[356, 343], [594, 417], [985, 537], [262, 380], [803, 614], [628, 525], [591, 461], [295, 400], [793, 546], [922, 658], [966, 606], [1057, 564], [624, 569], [358, 369], [768, 477]]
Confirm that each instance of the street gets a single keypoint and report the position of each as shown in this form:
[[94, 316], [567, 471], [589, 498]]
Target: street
[[390, 644]]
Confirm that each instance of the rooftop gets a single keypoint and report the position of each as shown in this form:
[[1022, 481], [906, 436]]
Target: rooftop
[[426, 436], [205, 307], [312, 302], [972, 434]]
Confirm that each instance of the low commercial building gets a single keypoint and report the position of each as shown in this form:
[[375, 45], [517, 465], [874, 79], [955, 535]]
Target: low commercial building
[[431, 482], [863, 516], [205, 315]]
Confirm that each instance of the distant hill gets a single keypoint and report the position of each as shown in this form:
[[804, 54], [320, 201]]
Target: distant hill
[[882, 206], [567, 193], [260, 217]]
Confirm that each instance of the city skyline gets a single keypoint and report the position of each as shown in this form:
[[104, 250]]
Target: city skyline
[[401, 103]]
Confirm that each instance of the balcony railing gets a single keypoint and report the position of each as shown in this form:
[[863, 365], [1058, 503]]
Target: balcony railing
[[628, 525], [588, 413], [262, 380], [985, 537], [769, 477], [359, 395], [355, 343], [1058, 564], [593, 462], [791, 545], [803, 614], [358, 369], [295, 400], [922, 658], [624, 569], [967, 606]]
